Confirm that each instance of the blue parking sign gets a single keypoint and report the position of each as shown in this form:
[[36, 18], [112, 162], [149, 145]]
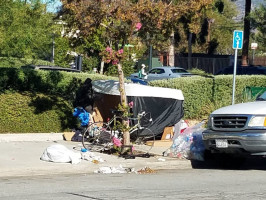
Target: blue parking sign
[[237, 39]]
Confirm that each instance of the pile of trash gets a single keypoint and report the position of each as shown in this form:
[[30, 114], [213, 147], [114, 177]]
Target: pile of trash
[[146, 170], [123, 170], [188, 144], [58, 153], [114, 170]]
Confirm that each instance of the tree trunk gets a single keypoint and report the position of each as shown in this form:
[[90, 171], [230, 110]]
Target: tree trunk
[[126, 136], [189, 50], [172, 50], [102, 65], [246, 34]]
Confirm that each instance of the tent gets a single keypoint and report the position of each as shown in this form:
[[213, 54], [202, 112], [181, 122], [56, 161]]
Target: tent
[[164, 104]]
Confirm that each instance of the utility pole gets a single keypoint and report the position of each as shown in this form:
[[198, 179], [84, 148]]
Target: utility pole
[[246, 33]]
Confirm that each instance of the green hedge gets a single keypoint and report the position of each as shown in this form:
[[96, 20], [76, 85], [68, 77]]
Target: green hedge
[[41, 101], [49, 82], [18, 62], [28, 113], [37, 100], [203, 95], [223, 87]]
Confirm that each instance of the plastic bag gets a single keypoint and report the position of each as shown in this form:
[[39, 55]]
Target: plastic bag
[[83, 115], [60, 154], [189, 144]]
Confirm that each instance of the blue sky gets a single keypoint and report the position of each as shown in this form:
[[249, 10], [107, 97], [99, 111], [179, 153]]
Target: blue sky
[[52, 6]]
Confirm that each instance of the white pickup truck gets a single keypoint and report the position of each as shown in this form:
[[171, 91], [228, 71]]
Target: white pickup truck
[[238, 129]]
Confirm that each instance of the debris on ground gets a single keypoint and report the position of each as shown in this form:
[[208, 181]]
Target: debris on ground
[[89, 156], [188, 144], [146, 170], [114, 170]]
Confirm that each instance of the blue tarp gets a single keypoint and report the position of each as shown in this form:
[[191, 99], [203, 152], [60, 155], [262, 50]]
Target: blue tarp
[[137, 80], [83, 115]]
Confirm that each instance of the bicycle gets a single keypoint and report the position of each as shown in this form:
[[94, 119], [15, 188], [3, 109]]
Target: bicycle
[[99, 135]]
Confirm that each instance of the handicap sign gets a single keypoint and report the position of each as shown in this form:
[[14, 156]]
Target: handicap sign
[[237, 39]]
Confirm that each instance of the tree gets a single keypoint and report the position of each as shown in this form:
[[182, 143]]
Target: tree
[[25, 28], [192, 20], [223, 25], [217, 20], [62, 49], [124, 21], [258, 21], [246, 33], [118, 22]]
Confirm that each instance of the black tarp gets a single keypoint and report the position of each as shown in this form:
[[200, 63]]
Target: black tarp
[[164, 111], [164, 104]]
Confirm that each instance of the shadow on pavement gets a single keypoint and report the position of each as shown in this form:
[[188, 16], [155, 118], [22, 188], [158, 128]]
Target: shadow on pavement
[[231, 163]]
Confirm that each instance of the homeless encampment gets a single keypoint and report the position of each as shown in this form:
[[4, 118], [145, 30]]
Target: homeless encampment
[[164, 104]]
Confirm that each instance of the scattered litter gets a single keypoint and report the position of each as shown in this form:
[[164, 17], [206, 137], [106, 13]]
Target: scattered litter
[[95, 161], [91, 157], [114, 170], [146, 170], [188, 144], [60, 154], [161, 159], [104, 170], [83, 150]]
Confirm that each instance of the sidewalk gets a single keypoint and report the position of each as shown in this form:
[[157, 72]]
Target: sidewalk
[[20, 156]]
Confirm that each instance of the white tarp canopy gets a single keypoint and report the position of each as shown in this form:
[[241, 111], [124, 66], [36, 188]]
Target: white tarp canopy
[[132, 89]]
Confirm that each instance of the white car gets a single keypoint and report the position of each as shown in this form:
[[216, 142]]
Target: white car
[[238, 129], [164, 72]]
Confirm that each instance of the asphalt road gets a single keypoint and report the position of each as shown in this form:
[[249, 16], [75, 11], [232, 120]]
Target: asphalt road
[[164, 184]]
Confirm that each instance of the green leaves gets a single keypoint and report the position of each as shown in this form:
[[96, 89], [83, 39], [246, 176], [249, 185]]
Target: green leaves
[[25, 29], [258, 21]]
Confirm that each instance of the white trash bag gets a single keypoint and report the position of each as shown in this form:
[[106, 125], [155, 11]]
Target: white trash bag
[[60, 154]]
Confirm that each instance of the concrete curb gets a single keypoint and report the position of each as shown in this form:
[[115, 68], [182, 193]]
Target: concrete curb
[[28, 137]]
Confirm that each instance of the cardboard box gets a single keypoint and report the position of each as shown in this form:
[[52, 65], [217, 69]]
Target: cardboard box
[[68, 135]]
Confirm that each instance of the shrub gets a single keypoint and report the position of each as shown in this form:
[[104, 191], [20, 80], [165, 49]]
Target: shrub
[[49, 82], [199, 72], [18, 62], [205, 94], [223, 87], [37, 100], [32, 113], [42, 101]]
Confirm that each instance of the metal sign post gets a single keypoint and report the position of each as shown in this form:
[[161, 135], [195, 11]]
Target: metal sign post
[[253, 47], [237, 44]]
